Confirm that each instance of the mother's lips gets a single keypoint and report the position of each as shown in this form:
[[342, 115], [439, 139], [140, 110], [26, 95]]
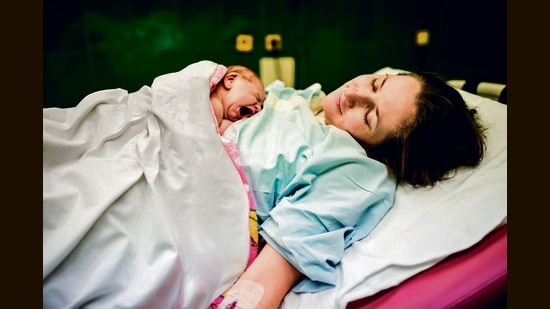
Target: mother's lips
[[338, 107]]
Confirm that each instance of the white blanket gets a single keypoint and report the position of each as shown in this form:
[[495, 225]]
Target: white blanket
[[142, 206]]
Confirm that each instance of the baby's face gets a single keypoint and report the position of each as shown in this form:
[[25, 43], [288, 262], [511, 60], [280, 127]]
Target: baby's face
[[244, 99]]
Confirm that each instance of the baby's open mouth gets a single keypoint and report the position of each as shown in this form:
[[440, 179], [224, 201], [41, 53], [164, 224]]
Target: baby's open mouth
[[245, 111]]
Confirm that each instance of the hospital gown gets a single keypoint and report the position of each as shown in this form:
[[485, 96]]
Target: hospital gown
[[315, 189]]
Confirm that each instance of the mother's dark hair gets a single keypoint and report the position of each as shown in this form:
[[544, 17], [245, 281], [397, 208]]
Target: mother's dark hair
[[444, 135]]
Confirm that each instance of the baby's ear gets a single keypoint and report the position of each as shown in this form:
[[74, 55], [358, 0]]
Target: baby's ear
[[229, 79]]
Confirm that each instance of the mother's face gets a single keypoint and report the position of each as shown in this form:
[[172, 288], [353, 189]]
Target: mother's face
[[371, 107]]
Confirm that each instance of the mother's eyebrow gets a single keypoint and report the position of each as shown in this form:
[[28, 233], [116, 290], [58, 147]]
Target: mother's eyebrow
[[383, 81]]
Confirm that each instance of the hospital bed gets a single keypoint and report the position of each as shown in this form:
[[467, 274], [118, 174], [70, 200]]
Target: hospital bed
[[119, 233]]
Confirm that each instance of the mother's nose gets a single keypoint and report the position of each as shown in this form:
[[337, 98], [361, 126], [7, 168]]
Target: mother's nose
[[354, 98]]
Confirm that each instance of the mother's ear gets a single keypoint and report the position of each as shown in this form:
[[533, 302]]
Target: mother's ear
[[229, 79]]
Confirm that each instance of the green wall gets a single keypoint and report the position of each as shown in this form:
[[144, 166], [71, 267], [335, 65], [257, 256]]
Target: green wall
[[91, 45]]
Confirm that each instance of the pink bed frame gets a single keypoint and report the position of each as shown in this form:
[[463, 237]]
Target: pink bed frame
[[473, 278]]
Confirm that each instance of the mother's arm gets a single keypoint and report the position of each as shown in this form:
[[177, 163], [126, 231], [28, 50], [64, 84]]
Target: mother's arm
[[265, 282]]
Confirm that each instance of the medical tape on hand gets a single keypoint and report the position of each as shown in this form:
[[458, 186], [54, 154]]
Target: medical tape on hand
[[245, 294]]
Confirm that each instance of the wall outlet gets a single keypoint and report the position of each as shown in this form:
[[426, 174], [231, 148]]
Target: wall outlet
[[273, 43], [244, 43]]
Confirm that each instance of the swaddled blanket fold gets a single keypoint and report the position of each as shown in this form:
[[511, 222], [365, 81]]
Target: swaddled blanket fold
[[142, 206]]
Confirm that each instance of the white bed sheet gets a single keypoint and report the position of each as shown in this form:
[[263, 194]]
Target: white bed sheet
[[142, 206], [425, 225]]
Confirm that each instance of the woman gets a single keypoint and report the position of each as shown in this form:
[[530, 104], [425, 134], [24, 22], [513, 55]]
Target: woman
[[415, 124]]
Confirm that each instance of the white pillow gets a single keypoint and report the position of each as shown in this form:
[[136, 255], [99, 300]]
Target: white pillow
[[425, 225]]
